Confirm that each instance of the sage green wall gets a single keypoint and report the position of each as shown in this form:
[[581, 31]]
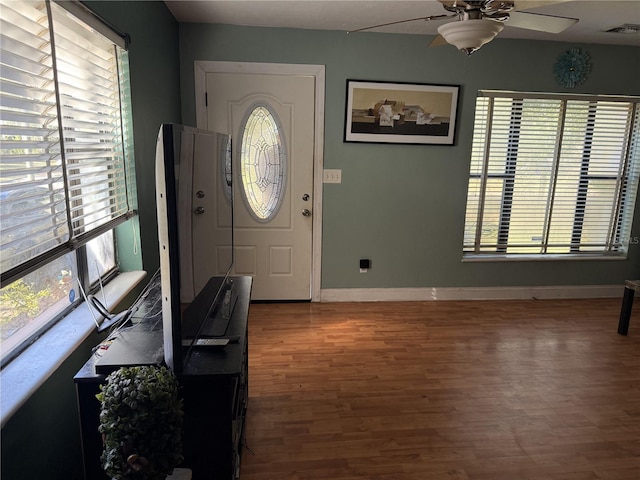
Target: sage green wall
[[403, 205], [42, 439]]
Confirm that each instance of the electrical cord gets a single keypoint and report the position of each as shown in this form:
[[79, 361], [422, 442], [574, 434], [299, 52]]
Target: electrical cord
[[118, 324], [115, 322]]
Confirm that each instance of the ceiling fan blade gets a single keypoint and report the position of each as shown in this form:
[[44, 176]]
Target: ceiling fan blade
[[451, 5], [438, 41], [431, 17], [454, 3], [528, 4], [539, 22]]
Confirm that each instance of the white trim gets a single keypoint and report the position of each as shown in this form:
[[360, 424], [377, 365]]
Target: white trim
[[202, 67], [23, 376], [470, 293], [557, 96]]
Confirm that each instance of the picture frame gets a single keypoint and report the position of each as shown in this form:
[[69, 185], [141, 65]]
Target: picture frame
[[409, 113]]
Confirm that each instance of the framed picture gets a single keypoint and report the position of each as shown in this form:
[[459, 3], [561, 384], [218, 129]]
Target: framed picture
[[412, 113]]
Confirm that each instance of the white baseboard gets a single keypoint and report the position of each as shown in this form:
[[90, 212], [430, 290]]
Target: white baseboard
[[469, 293]]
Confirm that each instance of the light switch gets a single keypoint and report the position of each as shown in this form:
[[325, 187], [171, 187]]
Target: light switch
[[332, 175]]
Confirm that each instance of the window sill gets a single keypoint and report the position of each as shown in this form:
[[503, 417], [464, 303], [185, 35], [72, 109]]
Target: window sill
[[540, 258], [24, 375]]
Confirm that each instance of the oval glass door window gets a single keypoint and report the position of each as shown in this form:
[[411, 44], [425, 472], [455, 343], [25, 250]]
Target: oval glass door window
[[263, 162]]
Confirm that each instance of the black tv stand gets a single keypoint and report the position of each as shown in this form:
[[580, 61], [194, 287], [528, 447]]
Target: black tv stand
[[204, 319], [214, 389]]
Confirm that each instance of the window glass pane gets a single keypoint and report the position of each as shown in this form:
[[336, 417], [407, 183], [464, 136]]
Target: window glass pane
[[527, 212], [87, 65], [32, 302], [564, 208], [32, 212], [56, 188], [598, 212], [101, 256], [610, 130], [262, 163], [32, 218], [479, 135], [492, 212], [551, 173], [127, 128], [471, 218]]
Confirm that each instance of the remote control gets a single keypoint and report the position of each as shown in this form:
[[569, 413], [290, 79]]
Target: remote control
[[206, 342]]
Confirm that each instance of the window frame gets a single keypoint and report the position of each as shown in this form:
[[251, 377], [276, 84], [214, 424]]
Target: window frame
[[622, 208], [77, 244]]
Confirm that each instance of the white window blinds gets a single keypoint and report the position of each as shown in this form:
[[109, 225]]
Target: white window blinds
[[552, 175], [64, 160]]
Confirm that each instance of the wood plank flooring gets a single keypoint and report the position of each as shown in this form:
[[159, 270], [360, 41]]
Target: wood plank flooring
[[487, 390]]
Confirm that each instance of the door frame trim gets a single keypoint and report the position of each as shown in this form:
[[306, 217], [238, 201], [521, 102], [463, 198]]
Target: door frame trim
[[203, 67]]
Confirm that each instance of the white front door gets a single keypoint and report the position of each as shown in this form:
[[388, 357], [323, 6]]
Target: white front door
[[272, 121]]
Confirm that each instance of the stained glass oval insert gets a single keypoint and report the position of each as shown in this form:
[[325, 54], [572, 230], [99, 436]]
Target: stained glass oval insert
[[263, 162]]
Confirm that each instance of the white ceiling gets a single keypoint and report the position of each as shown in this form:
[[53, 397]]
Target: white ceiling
[[594, 16]]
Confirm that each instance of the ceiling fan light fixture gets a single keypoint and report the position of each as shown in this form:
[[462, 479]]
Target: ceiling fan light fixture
[[470, 35]]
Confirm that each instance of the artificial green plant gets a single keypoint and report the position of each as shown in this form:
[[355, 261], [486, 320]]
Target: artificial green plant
[[141, 423]]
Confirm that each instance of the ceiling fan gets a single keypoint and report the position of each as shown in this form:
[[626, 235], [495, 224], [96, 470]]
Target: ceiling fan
[[479, 21]]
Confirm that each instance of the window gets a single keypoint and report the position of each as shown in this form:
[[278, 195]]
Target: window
[[552, 175], [66, 153], [263, 163]]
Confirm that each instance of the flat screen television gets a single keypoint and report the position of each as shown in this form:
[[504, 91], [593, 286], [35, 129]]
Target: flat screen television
[[194, 194]]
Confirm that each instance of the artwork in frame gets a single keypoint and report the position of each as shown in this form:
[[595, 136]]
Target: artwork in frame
[[411, 113]]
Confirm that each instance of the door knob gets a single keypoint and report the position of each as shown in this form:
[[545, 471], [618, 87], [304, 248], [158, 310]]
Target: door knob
[[199, 210], [306, 212]]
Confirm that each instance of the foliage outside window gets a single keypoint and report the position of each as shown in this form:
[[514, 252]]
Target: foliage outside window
[[66, 156], [552, 175]]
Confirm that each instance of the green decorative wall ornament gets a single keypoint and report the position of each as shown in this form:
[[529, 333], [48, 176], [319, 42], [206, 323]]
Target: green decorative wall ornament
[[572, 68]]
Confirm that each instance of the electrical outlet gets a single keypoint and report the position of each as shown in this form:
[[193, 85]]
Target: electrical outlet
[[365, 265], [332, 175]]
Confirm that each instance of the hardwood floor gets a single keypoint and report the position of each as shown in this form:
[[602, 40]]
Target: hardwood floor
[[493, 390]]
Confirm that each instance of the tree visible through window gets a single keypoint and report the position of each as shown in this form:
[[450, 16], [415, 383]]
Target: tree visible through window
[[552, 175]]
